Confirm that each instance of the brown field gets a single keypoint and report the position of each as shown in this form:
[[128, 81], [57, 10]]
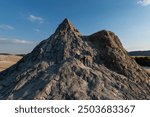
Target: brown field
[[148, 69], [8, 60]]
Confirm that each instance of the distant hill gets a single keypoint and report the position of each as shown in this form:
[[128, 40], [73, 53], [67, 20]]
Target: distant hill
[[140, 53], [12, 54]]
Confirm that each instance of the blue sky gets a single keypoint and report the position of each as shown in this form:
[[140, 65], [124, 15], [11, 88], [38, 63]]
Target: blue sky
[[24, 23]]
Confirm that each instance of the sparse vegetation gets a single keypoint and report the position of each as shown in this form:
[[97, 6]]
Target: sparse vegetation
[[142, 60]]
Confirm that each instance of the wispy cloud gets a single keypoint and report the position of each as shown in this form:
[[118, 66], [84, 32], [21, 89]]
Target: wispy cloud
[[144, 2], [14, 41], [37, 30], [6, 27], [34, 18], [18, 41]]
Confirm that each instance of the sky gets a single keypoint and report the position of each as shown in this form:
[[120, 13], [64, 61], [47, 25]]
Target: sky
[[24, 23]]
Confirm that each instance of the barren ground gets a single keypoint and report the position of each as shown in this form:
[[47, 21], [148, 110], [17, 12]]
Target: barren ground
[[148, 69], [8, 60]]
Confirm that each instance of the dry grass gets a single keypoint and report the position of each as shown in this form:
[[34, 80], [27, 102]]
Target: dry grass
[[8, 60]]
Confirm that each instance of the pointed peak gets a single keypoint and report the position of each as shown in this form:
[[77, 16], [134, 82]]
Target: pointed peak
[[66, 21], [65, 26]]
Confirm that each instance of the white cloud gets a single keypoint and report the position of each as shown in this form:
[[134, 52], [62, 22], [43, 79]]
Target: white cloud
[[144, 2], [37, 30], [6, 27], [34, 18], [18, 41], [14, 41]]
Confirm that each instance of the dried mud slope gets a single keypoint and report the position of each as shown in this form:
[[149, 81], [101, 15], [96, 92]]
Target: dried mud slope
[[69, 65]]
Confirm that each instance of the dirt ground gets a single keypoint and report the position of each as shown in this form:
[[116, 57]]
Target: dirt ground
[[148, 69], [8, 60]]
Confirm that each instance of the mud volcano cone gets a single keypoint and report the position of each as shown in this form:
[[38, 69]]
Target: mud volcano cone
[[69, 65]]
